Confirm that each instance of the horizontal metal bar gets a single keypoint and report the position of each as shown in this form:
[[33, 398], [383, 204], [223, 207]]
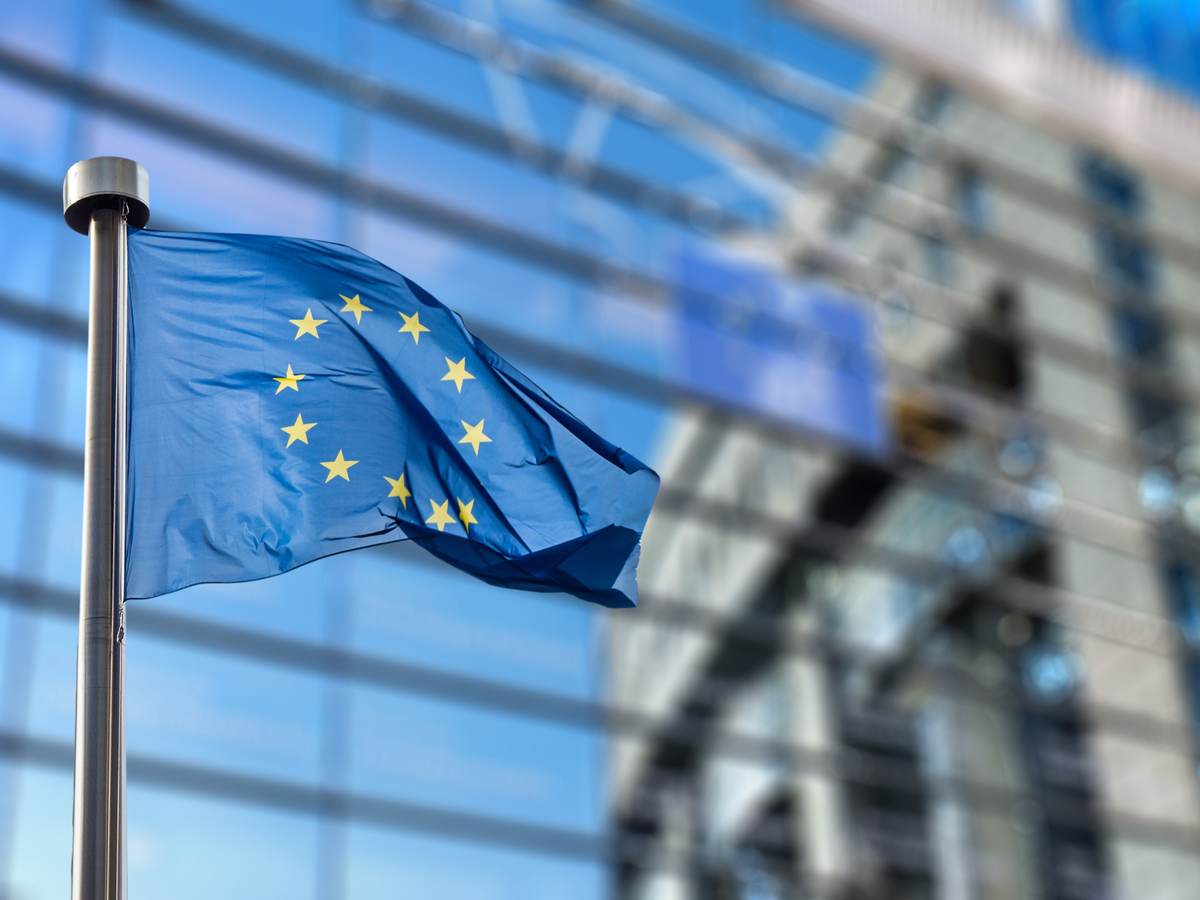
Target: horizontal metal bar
[[41, 453], [43, 319]]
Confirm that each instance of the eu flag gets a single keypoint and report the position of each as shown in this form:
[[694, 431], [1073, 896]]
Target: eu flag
[[290, 399]]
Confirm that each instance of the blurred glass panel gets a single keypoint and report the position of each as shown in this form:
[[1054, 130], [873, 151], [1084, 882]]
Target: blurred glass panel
[[22, 351], [635, 146], [393, 863], [50, 30], [439, 754], [298, 604], [239, 96], [201, 188], [33, 127], [68, 365], [412, 607], [184, 845], [400, 58], [313, 27], [489, 288], [234, 714], [924, 655], [631, 422], [39, 861], [28, 240], [409, 159], [14, 477], [186, 705], [48, 649], [60, 510]]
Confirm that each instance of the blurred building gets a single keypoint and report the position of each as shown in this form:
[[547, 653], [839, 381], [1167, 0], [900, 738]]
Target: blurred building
[[965, 667], [898, 297]]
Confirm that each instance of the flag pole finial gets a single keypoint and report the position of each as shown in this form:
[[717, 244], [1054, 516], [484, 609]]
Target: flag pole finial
[[104, 182]]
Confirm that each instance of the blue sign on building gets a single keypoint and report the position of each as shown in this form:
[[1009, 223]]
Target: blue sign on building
[[798, 352]]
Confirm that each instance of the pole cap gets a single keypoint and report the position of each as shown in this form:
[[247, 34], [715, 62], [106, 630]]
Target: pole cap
[[105, 182]]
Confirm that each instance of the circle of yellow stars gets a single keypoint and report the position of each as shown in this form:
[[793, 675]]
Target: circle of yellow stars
[[339, 467]]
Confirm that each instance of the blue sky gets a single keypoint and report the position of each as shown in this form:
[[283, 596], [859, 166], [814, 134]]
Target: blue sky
[[227, 712], [1160, 38]]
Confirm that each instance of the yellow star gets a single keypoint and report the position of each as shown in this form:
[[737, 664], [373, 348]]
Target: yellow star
[[465, 514], [307, 325], [339, 468], [298, 430], [290, 380], [354, 305], [474, 436], [457, 372], [441, 515], [399, 489], [413, 326]]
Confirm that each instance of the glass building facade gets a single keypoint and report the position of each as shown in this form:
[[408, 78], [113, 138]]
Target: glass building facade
[[961, 670], [920, 603]]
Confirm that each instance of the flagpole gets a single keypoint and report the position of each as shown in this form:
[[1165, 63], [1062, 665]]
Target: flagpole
[[101, 198]]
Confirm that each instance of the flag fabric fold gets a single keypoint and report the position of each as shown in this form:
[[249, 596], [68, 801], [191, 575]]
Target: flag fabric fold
[[290, 399]]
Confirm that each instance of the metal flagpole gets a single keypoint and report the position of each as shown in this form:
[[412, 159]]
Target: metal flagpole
[[101, 197]]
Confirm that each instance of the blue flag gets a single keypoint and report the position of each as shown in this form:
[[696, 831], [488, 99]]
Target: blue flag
[[290, 399]]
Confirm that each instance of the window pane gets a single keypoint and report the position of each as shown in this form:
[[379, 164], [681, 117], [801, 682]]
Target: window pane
[[394, 864], [468, 758], [189, 847]]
